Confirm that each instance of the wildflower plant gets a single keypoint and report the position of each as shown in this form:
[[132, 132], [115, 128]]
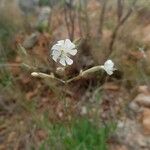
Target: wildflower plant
[[61, 53]]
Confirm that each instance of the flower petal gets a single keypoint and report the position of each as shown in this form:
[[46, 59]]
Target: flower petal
[[63, 61], [56, 47], [61, 42], [69, 45], [69, 61], [56, 53], [72, 52], [55, 58], [110, 72], [109, 64]]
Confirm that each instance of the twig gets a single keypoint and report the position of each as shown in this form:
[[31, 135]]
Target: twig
[[66, 21], [87, 20], [120, 4], [70, 19], [79, 19], [102, 16], [115, 32], [17, 65], [10, 65]]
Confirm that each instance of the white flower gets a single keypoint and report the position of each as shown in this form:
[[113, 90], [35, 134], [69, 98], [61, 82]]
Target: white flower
[[108, 67], [62, 51]]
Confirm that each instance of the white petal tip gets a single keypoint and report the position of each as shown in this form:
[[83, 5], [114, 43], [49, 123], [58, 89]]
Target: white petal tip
[[54, 58], [109, 74], [73, 52], [69, 61], [34, 74]]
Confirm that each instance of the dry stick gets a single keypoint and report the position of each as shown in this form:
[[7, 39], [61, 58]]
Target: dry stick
[[102, 16], [29, 67], [73, 24], [115, 32], [66, 21], [50, 20], [79, 19], [120, 5], [72, 21], [17, 65], [10, 65], [87, 20], [70, 14]]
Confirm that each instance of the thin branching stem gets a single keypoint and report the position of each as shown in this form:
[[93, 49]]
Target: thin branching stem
[[69, 14], [82, 74], [102, 16], [116, 30], [120, 5]]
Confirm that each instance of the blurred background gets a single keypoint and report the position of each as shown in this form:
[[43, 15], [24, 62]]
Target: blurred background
[[99, 112]]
